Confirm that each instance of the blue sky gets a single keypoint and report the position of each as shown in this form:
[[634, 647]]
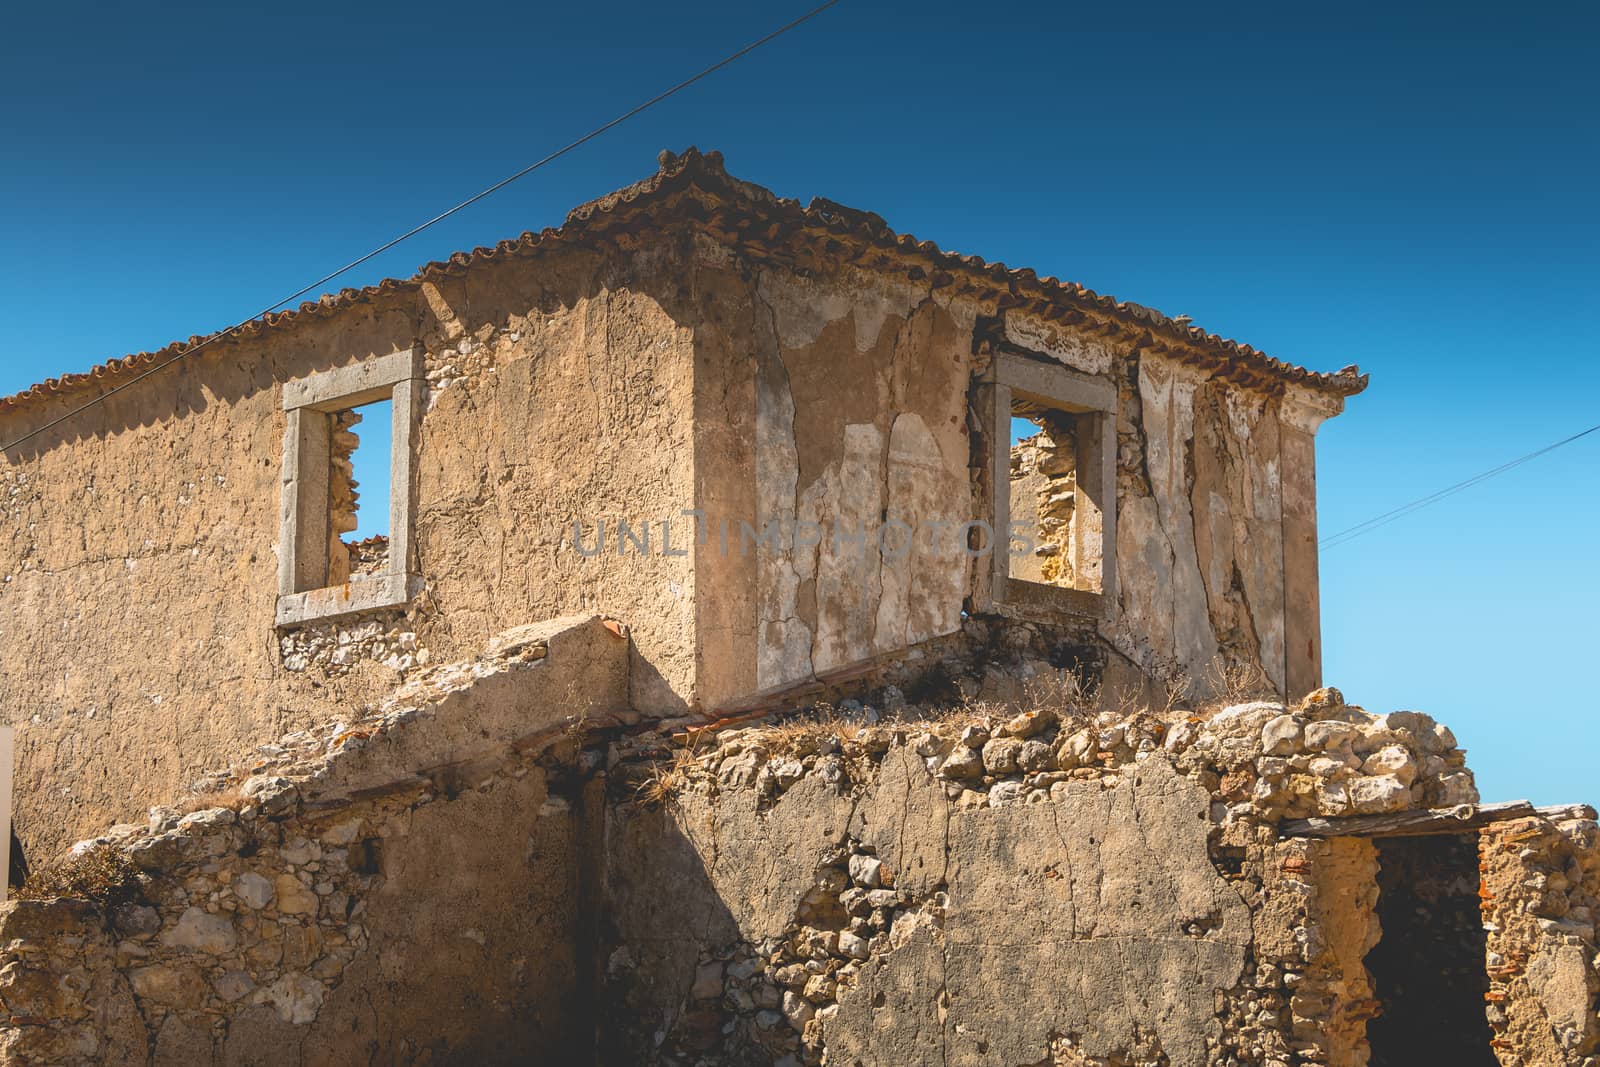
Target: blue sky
[[1410, 191]]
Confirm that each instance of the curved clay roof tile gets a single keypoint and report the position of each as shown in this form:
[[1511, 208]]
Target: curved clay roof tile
[[705, 172]]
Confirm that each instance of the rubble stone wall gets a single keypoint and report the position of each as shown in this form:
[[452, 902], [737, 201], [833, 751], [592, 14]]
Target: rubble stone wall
[[404, 886], [1044, 494], [1043, 888], [477, 867], [1541, 896]]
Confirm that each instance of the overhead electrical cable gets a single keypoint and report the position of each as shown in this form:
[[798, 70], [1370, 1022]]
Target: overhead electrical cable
[[386, 246], [1361, 528]]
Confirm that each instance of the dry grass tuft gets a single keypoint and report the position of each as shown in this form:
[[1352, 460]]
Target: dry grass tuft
[[811, 730], [1066, 693], [667, 780], [222, 798], [102, 874], [1238, 683]]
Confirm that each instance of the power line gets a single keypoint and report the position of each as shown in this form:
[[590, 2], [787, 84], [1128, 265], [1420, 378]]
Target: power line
[[496, 187], [1351, 533]]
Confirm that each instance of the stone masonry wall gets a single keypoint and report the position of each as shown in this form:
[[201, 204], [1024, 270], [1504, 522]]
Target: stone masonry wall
[[401, 886], [1044, 491], [1541, 889], [439, 877], [1059, 886]]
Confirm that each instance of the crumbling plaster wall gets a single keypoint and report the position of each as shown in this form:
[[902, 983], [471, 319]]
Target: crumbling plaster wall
[[843, 397], [137, 548], [1004, 928], [982, 887], [404, 885], [838, 402], [1199, 524], [443, 875]]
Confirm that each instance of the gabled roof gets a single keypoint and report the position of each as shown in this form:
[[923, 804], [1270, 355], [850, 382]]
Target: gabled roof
[[695, 185]]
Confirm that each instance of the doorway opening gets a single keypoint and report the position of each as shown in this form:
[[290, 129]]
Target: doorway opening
[[1430, 967]]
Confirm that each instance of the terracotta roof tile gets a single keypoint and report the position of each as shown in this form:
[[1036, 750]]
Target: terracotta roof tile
[[704, 174]]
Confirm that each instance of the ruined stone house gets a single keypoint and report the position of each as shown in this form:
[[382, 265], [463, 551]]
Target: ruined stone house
[[791, 643]]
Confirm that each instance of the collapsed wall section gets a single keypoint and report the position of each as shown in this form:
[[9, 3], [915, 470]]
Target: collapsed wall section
[[444, 876], [406, 885]]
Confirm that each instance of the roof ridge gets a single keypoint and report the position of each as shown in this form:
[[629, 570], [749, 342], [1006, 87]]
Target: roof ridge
[[706, 171]]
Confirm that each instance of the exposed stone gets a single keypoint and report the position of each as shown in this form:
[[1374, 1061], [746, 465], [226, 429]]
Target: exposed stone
[[167, 984], [707, 982], [1281, 736], [271, 796], [866, 871], [297, 998], [233, 985], [1000, 755], [292, 896], [198, 932], [1319, 702], [1457, 788], [254, 890], [1393, 760], [1029, 723], [963, 763], [853, 946], [136, 920], [1330, 734], [797, 1010], [1035, 756], [1378, 794]]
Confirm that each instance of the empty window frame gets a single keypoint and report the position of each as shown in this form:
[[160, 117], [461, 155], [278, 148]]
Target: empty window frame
[[1054, 482], [320, 575]]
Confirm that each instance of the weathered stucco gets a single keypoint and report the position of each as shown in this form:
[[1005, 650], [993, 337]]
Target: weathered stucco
[[1062, 918], [853, 408], [857, 387], [138, 552], [1050, 887]]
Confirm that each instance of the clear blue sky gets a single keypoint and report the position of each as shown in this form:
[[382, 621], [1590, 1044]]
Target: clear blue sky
[[1411, 191]]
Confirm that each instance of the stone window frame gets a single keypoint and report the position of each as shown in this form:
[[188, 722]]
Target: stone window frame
[[1049, 384], [309, 404]]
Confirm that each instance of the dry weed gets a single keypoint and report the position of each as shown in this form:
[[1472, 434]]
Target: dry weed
[[1238, 683], [102, 874], [667, 780], [222, 798]]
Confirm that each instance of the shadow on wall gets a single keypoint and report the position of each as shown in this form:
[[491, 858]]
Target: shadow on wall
[[661, 994], [889, 926]]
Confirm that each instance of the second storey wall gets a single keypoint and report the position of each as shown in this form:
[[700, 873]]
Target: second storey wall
[[138, 568], [846, 397]]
